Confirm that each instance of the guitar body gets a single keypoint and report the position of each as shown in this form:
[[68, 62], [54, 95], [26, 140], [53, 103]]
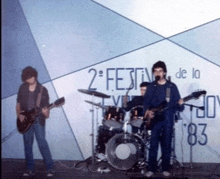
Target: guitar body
[[30, 116], [158, 115], [158, 111], [28, 121]]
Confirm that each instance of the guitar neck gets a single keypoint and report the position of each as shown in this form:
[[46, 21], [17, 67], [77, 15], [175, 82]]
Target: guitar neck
[[50, 106], [187, 98]]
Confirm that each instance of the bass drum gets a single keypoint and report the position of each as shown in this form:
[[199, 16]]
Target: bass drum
[[124, 150]]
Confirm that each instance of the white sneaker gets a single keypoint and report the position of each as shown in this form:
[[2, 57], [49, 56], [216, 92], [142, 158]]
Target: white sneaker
[[50, 173], [29, 173], [166, 173], [149, 174]]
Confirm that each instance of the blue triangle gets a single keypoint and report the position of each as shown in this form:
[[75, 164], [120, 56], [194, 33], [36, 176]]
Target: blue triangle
[[203, 40], [80, 33], [18, 49]]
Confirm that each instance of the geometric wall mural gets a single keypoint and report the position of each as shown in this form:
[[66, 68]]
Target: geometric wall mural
[[94, 45]]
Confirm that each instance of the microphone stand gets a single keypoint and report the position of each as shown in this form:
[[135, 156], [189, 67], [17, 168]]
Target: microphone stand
[[191, 145]]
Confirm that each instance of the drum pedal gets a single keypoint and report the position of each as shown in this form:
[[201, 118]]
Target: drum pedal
[[101, 157], [103, 170]]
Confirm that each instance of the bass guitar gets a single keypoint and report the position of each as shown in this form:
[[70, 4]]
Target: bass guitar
[[158, 111], [30, 115]]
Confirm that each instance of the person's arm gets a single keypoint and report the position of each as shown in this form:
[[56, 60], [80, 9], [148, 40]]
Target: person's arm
[[146, 104], [18, 111], [18, 105], [45, 103], [178, 99]]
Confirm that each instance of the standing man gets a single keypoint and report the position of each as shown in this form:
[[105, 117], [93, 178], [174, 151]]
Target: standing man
[[159, 91], [27, 99]]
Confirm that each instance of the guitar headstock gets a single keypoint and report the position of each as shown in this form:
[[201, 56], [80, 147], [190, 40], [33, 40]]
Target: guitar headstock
[[59, 101], [197, 94]]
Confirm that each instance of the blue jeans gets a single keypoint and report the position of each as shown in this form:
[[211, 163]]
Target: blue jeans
[[161, 132], [28, 137]]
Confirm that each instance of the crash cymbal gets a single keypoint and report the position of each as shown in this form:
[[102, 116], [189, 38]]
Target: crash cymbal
[[96, 104], [95, 93]]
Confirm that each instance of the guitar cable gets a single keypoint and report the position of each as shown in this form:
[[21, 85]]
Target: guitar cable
[[9, 135]]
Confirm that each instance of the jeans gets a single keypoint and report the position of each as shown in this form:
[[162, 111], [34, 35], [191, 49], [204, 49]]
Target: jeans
[[161, 132], [28, 137]]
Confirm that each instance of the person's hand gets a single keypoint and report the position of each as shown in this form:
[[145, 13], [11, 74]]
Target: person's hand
[[149, 114], [21, 118], [180, 102], [46, 112]]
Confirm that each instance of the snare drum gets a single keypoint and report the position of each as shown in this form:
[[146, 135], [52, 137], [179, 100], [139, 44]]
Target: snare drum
[[114, 117], [136, 116]]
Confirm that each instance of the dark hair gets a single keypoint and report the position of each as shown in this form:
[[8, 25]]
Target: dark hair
[[143, 84], [28, 72], [159, 64]]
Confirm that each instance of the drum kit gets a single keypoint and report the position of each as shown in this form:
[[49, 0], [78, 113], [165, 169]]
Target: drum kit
[[120, 148]]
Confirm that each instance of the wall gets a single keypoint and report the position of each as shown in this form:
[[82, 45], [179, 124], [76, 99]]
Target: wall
[[82, 44]]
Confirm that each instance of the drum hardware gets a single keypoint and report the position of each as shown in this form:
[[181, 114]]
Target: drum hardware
[[136, 116], [114, 117], [93, 94], [173, 158], [190, 126], [104, 135], [130, 87], [96, 104], [126, 151], [123, 151]]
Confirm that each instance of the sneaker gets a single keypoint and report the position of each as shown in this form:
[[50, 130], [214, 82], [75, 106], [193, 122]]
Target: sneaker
[[149, 174], [29, 173], [50, 173], [166, 173]]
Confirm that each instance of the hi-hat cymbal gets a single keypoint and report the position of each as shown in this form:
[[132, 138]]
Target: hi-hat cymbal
[[95, 93], [96, 104]]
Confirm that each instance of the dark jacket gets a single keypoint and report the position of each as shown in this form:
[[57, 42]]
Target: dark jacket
[[22, 98], [156, 94]]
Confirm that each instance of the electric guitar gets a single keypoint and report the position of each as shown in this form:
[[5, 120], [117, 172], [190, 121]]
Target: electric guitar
[[158, 111], [31, 114]]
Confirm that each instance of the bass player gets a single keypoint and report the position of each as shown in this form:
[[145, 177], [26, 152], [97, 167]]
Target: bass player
[[162, 125]]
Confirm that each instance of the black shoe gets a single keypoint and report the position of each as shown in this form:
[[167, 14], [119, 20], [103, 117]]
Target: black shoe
[[29, 173], [50, 173]]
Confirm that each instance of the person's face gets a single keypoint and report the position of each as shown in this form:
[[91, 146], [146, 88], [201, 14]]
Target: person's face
[[159, 72], [143, 90], [31, 80]]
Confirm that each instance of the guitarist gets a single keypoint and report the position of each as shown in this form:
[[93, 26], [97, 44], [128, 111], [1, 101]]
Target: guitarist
[[158, 91], [26, 100]]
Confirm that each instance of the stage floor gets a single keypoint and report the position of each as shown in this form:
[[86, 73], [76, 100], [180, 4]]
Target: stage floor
[[14, 168]]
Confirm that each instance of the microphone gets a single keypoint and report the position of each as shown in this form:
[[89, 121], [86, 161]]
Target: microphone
[[202, 108], [157, 78]]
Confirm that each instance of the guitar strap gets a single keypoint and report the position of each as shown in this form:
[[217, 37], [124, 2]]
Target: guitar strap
[[39, 96], [168, 94]]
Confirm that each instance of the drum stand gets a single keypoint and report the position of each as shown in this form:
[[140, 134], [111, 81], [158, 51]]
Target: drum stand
[[191, 145], [92, 134], [173, 159], [97, 94]]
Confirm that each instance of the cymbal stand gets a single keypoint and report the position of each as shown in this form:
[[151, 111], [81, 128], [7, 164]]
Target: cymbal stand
[[173, 157], [97, 125], [92, 134]]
